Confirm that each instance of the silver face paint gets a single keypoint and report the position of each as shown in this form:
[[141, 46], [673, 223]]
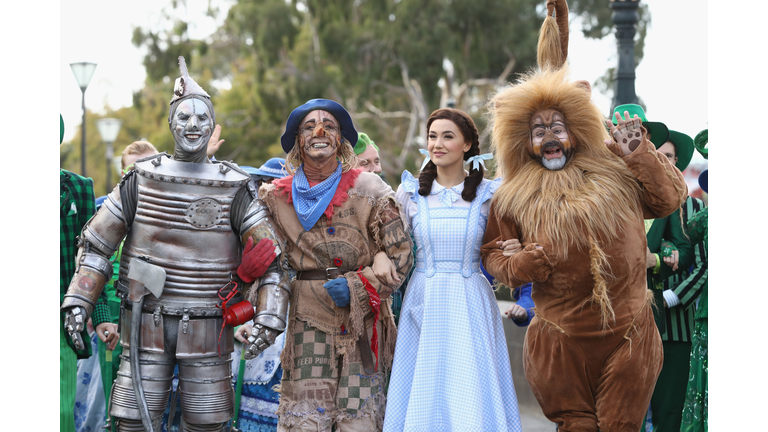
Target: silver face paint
[[192, 125]]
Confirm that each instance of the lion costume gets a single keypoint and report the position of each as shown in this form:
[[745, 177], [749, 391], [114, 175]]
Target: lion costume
[[592, 352]]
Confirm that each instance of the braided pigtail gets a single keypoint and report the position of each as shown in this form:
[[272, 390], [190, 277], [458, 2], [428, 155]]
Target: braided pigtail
[[426, 177], [475, 176]]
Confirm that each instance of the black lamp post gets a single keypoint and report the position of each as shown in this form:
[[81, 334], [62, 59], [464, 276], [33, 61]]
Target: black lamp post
[[108, 129], [83, 72], [625, 17]]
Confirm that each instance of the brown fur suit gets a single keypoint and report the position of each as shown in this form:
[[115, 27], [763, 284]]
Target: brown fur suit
[[592, 353]]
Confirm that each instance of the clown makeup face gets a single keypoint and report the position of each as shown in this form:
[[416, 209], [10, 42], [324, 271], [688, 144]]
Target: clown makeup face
[[319, 135], [446, 144], [192, 125], [550, 144], [369, 160]]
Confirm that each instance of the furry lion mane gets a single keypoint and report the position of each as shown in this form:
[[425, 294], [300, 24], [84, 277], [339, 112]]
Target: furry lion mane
[[591, 197], [589, 201]]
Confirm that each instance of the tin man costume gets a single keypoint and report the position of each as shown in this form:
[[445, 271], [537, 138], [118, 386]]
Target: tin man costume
[[184, 219]]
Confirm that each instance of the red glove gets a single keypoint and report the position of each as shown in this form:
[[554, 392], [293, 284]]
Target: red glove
[[256, 259]]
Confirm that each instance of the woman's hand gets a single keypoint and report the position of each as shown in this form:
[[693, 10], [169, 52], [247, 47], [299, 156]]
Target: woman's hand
[[510, 247]]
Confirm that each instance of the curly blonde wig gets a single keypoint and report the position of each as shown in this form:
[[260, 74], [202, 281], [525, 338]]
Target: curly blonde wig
[[345, 153]]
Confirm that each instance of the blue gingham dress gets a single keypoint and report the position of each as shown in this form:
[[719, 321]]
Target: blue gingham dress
[[451, 369]]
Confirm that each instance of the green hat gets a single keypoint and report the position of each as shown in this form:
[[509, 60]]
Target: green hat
[[683, 148], [700, 142], [363, 141], [659, 131], [61, 129]]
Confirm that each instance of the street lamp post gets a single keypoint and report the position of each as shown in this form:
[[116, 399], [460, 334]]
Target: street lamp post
[[625, 17], [108, 129], [83, 72]]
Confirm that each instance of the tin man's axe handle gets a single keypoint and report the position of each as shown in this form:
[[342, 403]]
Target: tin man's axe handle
[[138, 387]]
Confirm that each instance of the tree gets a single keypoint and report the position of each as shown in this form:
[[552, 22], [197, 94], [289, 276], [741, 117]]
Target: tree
[[390, 63]]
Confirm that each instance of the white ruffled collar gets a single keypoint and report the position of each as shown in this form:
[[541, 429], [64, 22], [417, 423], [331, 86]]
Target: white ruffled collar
[[447, 196]]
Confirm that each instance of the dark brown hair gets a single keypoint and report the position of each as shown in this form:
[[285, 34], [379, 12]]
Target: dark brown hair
[[468, 129]]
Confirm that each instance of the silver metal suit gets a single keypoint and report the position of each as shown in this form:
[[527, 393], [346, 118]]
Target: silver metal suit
[[273, 289], [186, 218]]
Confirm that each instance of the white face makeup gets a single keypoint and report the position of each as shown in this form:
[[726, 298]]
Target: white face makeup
[[192, 125], [550, 144]]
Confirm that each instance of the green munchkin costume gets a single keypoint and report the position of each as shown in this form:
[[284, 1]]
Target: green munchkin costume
[[696, 406], [77, 205], [676, 292]]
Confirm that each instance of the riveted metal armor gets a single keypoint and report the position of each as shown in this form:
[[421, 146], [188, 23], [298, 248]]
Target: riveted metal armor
[[183, 219], [183, 225]]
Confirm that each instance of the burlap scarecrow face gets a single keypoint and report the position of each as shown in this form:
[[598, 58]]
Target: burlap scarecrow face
[[319, 135], [192, 125], [549, 143]]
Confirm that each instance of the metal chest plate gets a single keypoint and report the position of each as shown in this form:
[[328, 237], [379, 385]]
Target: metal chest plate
[[204, 213]]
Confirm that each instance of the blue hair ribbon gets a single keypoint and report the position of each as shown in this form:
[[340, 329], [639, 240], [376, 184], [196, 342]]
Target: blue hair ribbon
[[478, 160]]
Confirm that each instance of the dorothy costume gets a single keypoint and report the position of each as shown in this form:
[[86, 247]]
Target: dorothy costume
[[451, 368]]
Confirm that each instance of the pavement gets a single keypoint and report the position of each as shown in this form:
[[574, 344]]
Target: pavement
[[533, 422], [531, 417]]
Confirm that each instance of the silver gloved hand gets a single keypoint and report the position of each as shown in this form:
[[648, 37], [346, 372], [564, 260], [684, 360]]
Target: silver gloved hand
[[74, 323], [260, 338]]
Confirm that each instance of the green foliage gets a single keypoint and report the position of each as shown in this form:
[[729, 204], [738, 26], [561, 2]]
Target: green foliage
[[384, 60]]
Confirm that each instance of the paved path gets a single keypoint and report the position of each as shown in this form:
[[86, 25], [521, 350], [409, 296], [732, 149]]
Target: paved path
[[535, 422], [531, 417]]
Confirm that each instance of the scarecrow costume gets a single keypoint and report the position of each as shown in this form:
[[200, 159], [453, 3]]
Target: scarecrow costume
[[335, 358], [592, 352]]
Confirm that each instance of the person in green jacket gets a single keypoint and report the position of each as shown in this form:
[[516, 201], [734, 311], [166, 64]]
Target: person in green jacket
[[680, 292], [77, 205], [696, 406]]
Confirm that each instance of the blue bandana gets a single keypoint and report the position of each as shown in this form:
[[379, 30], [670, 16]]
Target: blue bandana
[[310, 202]]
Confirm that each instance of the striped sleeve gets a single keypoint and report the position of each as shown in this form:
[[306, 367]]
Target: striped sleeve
[[689, 289]]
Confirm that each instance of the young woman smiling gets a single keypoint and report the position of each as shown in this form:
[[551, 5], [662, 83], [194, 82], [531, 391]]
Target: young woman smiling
[[451, 368]]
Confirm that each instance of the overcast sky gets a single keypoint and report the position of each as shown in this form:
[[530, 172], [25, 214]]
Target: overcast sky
[[671, 79]]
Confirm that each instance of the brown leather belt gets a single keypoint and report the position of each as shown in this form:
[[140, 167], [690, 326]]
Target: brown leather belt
[[320, 274], [333, 273]]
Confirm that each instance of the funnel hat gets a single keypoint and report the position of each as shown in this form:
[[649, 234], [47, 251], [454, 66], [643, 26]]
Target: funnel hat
[[185, 88]]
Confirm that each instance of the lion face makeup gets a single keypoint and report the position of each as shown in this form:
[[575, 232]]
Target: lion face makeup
[[549, 142]]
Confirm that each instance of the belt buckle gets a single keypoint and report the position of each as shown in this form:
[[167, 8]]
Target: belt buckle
[[327, 274]]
